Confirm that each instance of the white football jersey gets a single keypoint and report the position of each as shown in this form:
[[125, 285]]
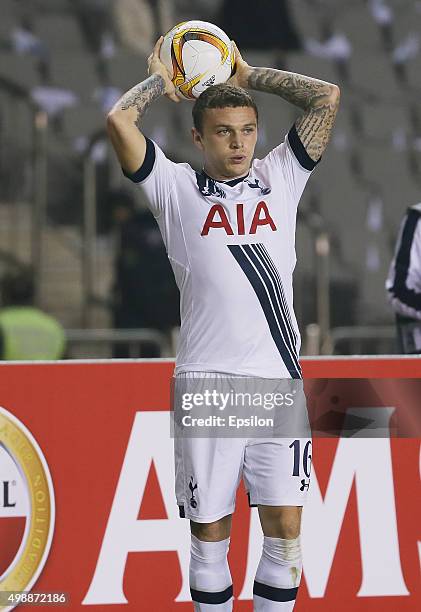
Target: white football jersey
[[232, 248]]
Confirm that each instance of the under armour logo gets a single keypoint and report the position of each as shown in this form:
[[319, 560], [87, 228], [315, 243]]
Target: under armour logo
[[192, 487], [304, 485], [210, 81]]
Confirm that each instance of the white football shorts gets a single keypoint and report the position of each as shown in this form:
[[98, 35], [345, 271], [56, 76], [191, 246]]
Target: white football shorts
[[276, 471]]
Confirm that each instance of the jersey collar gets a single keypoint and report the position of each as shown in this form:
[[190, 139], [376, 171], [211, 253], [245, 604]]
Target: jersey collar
[[230, 183]]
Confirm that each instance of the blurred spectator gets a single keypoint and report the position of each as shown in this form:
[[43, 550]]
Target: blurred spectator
[[139, 23], [407, 50], [25, 41], [106, 94], [145, 293], [263, 25], [26, 333], [96, 22], [383, 15], [381, 12], [403, 53], [404, 282], [336, 46], [51, 98]]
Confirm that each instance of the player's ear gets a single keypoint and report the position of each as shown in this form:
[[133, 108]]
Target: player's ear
[[197, 138]]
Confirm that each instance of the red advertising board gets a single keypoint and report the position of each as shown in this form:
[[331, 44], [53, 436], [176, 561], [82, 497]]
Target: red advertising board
[[105, 528]]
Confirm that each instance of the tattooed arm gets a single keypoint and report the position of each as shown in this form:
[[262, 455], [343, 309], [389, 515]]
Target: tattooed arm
[[124, 120], [319, 101]]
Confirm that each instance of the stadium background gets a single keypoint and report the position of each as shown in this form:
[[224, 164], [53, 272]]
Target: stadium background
[[62, 64]]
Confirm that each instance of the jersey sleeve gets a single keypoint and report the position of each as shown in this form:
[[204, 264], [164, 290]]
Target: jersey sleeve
[[155, 177], [291, 159]]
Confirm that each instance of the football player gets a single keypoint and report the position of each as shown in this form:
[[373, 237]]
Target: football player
[[229, 231]]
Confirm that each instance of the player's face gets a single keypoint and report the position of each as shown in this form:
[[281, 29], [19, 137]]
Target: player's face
[[227, 140]]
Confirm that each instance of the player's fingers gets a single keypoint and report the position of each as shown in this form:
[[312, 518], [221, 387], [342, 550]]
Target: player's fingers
[[236, 51], [173, 97], [158, 46]]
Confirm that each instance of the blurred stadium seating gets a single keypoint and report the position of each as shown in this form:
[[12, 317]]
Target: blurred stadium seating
[[370, 174]]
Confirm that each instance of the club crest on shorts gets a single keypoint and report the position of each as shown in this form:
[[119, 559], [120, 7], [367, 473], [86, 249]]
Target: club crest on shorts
[[27, 508], [192, 487]]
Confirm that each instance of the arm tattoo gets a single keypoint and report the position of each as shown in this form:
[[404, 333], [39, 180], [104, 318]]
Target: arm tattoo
[[314, 128], [142, 95], [319, 100]]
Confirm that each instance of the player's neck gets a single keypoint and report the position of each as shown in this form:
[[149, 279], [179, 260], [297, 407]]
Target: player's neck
[[224, 179]]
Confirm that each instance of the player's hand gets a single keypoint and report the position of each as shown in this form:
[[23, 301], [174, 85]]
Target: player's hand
[[155, 66], [241, 70]]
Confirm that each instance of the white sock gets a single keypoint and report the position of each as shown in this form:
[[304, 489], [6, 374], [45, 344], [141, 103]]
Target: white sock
[[210, 577], [278, 575]]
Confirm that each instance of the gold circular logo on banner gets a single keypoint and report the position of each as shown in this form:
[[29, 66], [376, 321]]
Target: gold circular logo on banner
[[33, 552]]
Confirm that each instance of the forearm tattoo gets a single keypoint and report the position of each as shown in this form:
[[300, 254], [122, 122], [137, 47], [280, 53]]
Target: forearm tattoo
[[142, 95], [318, 99]]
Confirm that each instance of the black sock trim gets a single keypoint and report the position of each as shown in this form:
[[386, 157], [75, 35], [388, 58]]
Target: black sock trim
[[299, 150], [146, 168], [273, 593], [211, 598]]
